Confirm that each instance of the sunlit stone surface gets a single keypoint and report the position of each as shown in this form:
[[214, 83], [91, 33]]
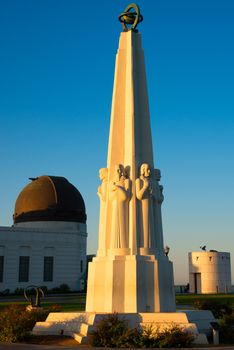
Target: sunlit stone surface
[[131, 272]]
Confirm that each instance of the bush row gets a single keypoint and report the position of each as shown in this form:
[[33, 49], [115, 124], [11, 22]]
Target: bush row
[[63, 288], [223, 312], [16, 323], [113, 332]]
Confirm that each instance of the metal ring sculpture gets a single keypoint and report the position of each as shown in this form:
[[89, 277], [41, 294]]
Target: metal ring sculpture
[[38, 296], [131, 18]]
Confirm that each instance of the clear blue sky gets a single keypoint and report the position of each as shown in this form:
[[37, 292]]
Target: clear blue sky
[[56, 76]]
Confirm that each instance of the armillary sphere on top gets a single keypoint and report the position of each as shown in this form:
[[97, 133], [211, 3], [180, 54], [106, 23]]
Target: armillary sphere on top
[[130, 17]]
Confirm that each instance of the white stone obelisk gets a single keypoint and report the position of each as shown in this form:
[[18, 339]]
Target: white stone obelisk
[[131, 272]]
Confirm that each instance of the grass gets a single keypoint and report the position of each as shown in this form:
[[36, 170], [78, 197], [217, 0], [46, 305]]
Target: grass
[[62, 306], [77, 303], [188, 299]]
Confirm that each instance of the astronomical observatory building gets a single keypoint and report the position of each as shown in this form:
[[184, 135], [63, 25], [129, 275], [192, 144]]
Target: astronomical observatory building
[[46, 246]]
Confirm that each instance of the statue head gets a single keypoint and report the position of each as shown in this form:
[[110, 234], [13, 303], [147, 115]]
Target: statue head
[[103, 172], [157, 174], [119, 171], [145, 170]]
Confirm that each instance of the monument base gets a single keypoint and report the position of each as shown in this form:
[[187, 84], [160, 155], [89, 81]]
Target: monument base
[[130, 284], [79, 325]]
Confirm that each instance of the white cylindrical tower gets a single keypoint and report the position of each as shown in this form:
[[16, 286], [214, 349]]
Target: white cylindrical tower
[[209, 272]]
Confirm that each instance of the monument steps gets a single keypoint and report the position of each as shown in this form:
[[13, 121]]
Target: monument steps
[[80, 338], [73, 324], [80, 325]]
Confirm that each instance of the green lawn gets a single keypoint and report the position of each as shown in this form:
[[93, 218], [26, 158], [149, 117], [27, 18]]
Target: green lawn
[[78, 302], [62, 306], [188, 299]]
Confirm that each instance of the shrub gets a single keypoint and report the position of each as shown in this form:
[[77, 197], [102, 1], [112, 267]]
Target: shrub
[[108, 331], [171, 336], [114, 332], [174, 337], [19, 291], [218, 308], [149, 339], [16, 323], [131, 338], [228, 320], [226, 332], [45, 289], [5, 292], [54, 308], [64, 288]]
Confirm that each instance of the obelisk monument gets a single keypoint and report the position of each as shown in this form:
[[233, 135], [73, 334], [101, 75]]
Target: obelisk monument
[[131, 273]]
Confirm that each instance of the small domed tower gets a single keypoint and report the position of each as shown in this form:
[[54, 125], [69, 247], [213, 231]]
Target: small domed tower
[[209, 272]]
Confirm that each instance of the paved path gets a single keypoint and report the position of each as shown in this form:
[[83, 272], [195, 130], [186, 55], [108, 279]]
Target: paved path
[[7, 346]]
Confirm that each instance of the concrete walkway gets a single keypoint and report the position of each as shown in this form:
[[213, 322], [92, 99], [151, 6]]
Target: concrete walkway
[[7, 346], [32, 347]]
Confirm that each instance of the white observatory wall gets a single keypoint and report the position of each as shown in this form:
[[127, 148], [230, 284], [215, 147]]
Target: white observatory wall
[[66, 243], [212, 270]]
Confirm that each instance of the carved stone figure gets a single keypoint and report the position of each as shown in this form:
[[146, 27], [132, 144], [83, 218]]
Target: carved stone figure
[[158, 199], [119, 195], [161, 196], [102, 189], [144, 193], [102, 194]]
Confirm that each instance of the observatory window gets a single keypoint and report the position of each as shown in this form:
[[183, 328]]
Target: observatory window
[[210, 257], [197, 258], [48, 268], [24, 268], [1, 267], [81, 266]]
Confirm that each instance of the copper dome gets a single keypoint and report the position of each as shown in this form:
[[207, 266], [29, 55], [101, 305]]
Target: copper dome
[[49, 198]]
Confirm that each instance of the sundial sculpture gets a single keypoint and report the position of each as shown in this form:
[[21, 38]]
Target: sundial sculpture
[[33, 294], [131, 273]]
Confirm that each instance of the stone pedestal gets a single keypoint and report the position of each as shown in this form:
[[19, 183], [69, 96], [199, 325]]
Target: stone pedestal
[[130, 284], [79, 325]]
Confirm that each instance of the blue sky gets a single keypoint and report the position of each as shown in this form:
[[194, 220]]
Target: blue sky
[[56, 76]]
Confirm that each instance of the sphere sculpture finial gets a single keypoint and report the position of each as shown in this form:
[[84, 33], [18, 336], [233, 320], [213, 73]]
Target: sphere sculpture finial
[[130, 17]]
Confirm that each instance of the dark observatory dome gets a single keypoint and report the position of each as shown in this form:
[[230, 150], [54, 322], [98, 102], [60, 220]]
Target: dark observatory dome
[[49, 198]]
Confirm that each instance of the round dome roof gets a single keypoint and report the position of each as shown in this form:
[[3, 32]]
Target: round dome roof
[[49, 198]]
